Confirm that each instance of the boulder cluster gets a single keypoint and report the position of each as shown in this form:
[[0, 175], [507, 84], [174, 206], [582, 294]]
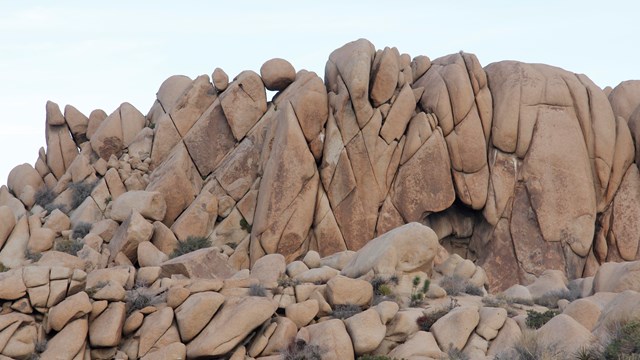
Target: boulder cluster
[[372, 212]]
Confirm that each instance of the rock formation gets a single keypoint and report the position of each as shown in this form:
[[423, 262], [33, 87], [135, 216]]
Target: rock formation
[[525, 173]]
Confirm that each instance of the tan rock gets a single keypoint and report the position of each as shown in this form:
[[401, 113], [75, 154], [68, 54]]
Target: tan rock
[[312, 259], [342, 290], [153, 327], [409, 248], [507, 337], [269, 268], [617, 277], [192, 103], [163, 238], [366, 331], [549, 281], [403, 325], [149, 255], [106, 329], [178, 180], [148, 274], [71, 308], [69, 342], [277, 74], [12, 286], [132, 323], [422, 343], [574, 336], [198, 218], [384, 76], [12, 254], [23, 177], [284, 334], [319, 275], [174, 350], [387, 310], [491, 320], [7, 223], [454, 329], [133, 231], [196, 312], [332, 337], [220, 79], [222, 334], [303, 312], [150, 205], [41, 239], [204, 263], [117, 131], [244, 102], [176, 295], [583, 311], [210, 139]]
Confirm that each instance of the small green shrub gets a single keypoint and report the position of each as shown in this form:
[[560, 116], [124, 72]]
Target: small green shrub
[[107, 200], [345, 311], [45, 196], [244, 225], [69, 246], [81, 230], [418, 292], [257, 290], [536, 320], [192, 243], [3, 268], [298, 349], [624, 340], [80, 191]]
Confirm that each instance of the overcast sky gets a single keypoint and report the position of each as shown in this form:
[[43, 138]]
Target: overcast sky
[[98, 55]]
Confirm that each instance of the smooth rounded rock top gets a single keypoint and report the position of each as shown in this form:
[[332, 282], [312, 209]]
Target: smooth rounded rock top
[[277, 74]]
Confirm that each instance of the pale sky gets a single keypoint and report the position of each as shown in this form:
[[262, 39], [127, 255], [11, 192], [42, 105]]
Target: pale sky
[[98, 55]]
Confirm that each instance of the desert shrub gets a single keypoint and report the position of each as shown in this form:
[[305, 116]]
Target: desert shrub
[[427, 320], [529, 348], [192, 243], [51, 207], [244, 225], [80, 191], [140, 297], [45, 196], [550, 299], [69, 246], [3, 268], [588, 353], [32, 255], [285, 282], [298, 349], [418, 292], [257, 290], [473, 290], [345, 311], [624, 340], [536, 320], [81, 230]]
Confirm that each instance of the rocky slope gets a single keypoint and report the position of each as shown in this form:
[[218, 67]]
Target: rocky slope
[[526, 173]]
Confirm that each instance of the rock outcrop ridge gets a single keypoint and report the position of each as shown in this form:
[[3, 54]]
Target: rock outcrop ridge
[[517, 169]]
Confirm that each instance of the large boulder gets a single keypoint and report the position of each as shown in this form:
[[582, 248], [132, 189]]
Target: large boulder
[[231, 325], [411, 247]]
